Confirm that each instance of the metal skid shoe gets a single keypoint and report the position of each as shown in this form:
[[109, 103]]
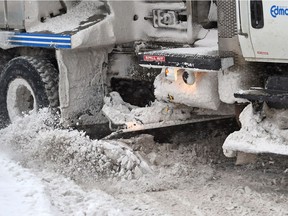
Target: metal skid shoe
[[267, 135], [275, 94]]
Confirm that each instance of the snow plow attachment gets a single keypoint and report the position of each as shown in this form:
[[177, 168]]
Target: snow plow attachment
[[264, 132], [264, 122], [275, 93], [162, 120]]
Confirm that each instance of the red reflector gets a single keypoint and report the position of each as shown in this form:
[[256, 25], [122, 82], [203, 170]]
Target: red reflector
[[151, 58]]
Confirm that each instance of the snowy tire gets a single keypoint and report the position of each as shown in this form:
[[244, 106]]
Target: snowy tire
[[27, 84]]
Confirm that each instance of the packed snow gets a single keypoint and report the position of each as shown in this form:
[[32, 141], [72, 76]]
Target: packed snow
[[202, 94], [157, 114], [125, 117]]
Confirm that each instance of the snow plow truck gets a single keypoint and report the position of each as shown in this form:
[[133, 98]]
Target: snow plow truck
[[145, 64]]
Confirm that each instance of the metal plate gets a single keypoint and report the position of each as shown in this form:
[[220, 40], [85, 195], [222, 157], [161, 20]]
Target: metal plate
[[12, 14]]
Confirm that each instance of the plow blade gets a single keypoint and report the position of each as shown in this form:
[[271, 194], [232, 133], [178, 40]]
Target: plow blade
[[259, 134], [161, 119], [193, 130]]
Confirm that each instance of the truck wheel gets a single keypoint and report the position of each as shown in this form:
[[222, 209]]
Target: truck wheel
[[27, 84]]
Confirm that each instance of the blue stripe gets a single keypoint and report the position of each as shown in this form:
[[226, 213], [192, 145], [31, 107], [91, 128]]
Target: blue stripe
[[40, 40], [43, 35], [55, 46], [31, 42]]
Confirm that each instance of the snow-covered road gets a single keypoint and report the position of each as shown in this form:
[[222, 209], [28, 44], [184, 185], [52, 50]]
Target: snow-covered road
[[21, 192], [24, 193], [49, 171]]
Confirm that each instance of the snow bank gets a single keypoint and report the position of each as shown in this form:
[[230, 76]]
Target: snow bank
[[257, 135], [34, 140]]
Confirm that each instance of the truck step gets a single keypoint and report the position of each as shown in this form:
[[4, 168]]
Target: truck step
[[275, 98]]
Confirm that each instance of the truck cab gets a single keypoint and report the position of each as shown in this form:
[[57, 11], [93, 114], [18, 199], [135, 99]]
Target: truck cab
[[262, 27]]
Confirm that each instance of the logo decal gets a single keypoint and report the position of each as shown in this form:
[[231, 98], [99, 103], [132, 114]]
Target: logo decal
[[278, 11]]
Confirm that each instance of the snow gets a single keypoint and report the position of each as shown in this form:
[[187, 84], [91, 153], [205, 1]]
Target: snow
[[45, 170], [36, 142], [260, 133], [22, 193], [127, 117], [121, 112], [70, 21], [96, 24], [230, 82], [69, 152], [202, 94], [89, 23], [207, 46], [208, 51]]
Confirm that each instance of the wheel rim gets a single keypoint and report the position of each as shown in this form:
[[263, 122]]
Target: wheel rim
[[20, 99]]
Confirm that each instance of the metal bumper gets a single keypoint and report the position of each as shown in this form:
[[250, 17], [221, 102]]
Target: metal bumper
[[189, 61]]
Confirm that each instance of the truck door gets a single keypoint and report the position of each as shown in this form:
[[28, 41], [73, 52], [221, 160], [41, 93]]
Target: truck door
[[269, 29]]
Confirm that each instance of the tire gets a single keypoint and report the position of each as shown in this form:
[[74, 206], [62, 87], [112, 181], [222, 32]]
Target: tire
[[27, 84]]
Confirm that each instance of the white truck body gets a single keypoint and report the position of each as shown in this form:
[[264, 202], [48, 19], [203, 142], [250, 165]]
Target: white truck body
[[249, 32], [79, 35], [267, 43]]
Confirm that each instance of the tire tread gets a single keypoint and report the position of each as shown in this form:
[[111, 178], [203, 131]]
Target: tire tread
[[49, 77]]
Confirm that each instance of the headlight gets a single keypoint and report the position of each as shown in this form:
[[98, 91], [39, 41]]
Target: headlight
[[188, 77]]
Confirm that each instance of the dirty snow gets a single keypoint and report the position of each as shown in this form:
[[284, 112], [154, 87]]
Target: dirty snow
[[136, 118], [261, 133], [46, 170], [126, 117], [69, 152]]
